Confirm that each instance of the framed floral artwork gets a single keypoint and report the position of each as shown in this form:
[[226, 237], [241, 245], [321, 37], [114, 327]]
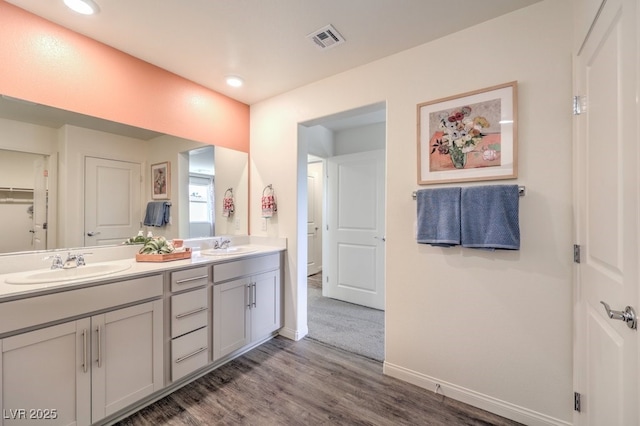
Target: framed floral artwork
[[161, 181], [469, 137]]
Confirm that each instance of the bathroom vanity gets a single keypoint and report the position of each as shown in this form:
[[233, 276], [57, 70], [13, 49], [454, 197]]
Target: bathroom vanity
[[92, 350]]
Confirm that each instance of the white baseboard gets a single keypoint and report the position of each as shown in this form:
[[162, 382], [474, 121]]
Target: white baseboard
[[484, 402], [291, 334]]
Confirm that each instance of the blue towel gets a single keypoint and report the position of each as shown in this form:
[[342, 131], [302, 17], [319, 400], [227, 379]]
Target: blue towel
[[490, 217], [157, 213], [438, 216]]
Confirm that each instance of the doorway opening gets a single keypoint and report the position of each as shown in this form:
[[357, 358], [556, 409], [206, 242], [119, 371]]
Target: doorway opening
[[201, 192], [345, 229]]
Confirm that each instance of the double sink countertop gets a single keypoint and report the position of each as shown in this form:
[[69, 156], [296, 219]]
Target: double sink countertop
[[26, 275]]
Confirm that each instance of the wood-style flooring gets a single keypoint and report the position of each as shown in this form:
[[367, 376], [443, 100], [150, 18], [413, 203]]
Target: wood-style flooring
[[283, 382]]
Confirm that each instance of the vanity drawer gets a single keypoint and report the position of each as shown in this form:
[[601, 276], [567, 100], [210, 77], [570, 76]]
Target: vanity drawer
[[189, 352], [239, 268], [189, 311], [189, 278], [38, 310]]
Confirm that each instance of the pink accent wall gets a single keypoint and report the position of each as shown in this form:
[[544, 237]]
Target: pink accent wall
[[45, 63]]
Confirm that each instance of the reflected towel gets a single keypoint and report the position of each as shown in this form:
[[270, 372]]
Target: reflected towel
[[157, 213], [490, 217], [438, 216], [227, 206]]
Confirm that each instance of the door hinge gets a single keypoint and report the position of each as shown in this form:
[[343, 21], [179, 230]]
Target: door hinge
[[576, 253], [579, 105], [576, 402]]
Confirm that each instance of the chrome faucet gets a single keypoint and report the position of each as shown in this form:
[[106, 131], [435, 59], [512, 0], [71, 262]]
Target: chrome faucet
[[57, 261], [74, 260], [217, 244]]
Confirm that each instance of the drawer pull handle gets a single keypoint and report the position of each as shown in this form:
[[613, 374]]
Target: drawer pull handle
[[182, 358], [99, 331], [195, 311], [84, 350], [188, 280]]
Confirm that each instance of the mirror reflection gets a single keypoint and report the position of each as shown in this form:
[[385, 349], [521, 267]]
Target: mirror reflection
[[71, 180]]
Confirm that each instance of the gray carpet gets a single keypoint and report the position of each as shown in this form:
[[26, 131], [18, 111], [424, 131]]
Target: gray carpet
[[346, 326]]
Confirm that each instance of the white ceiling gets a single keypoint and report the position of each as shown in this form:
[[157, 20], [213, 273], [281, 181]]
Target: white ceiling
[[264, 41]]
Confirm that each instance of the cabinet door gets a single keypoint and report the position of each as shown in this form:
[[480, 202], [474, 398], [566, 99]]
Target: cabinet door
[[230, 316], [265, 307], [127, 357], [45, 376]]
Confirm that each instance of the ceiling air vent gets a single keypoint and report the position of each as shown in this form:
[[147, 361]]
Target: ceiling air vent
[[326, 37]]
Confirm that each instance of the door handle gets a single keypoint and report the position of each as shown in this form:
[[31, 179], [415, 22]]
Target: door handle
[[383, 239], [628, 315], [93, 233]]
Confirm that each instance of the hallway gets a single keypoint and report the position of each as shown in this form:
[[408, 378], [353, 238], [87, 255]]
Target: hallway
[[354, 328]]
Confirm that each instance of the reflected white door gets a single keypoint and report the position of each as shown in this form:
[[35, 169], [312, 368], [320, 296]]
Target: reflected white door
[[39, 228], [354, 261], [314, 218], [606, 355], [113, 210]]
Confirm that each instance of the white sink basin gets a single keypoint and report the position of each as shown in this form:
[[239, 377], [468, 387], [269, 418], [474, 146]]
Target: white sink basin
[[57, 275], [229, 251]]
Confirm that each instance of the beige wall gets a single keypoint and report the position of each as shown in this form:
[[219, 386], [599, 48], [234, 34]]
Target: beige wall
[[493, 329]]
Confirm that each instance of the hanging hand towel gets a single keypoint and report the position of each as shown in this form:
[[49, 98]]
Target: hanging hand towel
[[490, 217], [438, 216], [269, 206], [228, 206], [157, 213]]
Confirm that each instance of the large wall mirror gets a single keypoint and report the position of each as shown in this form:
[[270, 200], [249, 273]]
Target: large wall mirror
[[69, 180]]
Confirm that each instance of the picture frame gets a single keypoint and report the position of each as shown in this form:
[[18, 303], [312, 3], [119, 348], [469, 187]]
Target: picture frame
[[161, 181], [469, 137]]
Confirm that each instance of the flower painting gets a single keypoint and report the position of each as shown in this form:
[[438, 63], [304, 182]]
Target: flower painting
[[160, 181], [468, 137]]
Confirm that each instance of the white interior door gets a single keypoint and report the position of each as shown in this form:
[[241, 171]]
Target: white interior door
[[314, 218], [354, 261], [39, 228], [606, 355], [113, 210]]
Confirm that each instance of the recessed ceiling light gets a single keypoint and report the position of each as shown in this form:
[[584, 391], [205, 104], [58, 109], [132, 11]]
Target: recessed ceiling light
[[234, 81], [85, 7]]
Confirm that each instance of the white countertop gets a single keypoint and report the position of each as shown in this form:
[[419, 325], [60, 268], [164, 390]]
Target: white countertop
[[136, 269]]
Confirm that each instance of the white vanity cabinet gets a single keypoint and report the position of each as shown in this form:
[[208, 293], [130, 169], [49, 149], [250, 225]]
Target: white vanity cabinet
[[81, 371], [47, 370], [126, 357], [189, 321], [246, 302]]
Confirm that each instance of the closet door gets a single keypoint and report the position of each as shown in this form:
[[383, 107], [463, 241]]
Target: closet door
[[607, 188], [354, 260], [112, 201]]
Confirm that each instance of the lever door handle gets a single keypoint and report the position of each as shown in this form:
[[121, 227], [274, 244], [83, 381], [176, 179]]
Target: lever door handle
[[93, 233], [628, 315]]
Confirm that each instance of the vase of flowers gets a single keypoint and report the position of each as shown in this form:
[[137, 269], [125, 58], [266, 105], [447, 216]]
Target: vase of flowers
[[460, 135], [458, 158]]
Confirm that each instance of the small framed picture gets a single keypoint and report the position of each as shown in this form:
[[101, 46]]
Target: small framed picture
[[161, 181], [469, 137]]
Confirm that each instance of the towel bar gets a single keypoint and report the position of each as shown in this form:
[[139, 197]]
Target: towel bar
[[521, 192]]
